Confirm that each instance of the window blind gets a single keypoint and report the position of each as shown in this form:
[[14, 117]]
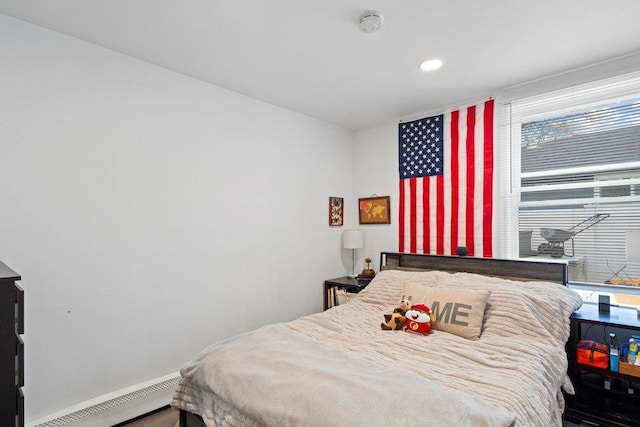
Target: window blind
[[575, 177]]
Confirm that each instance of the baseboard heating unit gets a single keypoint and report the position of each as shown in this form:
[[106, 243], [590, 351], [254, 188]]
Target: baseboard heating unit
[[117, 407]]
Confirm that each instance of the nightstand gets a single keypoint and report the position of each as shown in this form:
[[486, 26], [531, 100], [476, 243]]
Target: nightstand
[[593, 401], [346, 283]]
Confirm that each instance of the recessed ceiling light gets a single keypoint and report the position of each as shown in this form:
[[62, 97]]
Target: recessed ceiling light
[[431, 64]]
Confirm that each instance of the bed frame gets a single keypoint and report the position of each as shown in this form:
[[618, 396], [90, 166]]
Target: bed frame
[[187, 419], [550, 271]]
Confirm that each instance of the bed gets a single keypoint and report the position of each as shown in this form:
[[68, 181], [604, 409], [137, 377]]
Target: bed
[[496, 355]]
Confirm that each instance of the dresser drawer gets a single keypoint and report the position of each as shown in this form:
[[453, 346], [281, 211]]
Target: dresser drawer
[[19, 407], [19, 361], [19, 310]]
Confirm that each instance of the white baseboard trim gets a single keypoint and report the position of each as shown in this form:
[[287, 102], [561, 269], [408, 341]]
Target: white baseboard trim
[[115, 407]]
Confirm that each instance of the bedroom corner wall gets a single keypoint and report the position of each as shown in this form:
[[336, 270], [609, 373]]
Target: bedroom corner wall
[[376, 149], [151, 214]]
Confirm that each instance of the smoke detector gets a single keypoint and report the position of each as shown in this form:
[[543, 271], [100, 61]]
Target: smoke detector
[[370, 22]]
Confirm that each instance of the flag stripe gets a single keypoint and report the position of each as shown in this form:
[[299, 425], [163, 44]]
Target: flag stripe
[[449, 202], [401, 210], [487, 231], [440, 206], [470, 195], [413, 216], [455, 172], [426, 220]]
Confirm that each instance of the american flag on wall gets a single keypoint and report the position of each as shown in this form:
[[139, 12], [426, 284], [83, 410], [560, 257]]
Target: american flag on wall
[[446, 182]]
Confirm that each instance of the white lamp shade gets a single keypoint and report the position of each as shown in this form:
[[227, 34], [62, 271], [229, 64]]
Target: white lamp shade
[[633, 245], [352, 239]]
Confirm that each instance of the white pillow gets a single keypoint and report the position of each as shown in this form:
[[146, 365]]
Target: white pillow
[[457, 311]]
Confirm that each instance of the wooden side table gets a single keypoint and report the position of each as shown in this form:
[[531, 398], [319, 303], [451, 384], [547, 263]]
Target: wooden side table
[[350, 284]]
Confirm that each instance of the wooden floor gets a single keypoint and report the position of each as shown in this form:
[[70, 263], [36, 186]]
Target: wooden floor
[[167, 417]]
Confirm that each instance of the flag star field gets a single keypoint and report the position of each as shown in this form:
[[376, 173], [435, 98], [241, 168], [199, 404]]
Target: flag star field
[[421, 147]]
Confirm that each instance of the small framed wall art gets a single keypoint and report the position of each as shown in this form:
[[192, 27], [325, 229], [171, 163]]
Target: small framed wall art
[[374, 210], [336, 211]]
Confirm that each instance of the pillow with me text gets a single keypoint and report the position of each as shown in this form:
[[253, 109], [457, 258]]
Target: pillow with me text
[[457, 311]]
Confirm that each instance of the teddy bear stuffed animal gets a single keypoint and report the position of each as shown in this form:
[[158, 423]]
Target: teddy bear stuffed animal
[[419, 319], [396, 320]]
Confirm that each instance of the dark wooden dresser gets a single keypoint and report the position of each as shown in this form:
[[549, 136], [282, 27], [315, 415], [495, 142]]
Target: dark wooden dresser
[[11, 349]]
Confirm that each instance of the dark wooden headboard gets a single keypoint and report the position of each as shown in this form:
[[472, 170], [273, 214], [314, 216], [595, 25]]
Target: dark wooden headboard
[[550, 271]]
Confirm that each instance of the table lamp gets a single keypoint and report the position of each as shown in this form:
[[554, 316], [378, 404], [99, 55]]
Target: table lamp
[[353, 239]]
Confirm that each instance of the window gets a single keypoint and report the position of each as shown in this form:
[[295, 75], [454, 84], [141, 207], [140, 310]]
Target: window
[[575, 182]]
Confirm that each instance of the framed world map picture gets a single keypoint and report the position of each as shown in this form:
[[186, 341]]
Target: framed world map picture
[[374, 210]]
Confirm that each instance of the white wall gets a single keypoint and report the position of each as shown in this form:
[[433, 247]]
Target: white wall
[[376, 172], [151, 214]]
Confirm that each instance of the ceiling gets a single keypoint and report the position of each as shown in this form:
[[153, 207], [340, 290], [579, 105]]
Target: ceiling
[[309, 55]]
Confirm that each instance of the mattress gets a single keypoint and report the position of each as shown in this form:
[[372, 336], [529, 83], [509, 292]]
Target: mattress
[[340, 368]]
